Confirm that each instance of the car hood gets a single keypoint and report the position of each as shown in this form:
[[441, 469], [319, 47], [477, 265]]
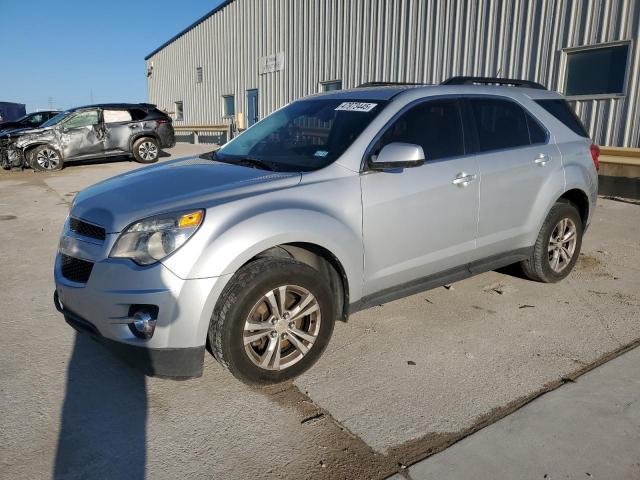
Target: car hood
[[182, 184], [18, 132]]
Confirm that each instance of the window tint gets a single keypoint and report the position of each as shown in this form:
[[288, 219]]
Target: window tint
[[537, 134], [597, 71], [436, 126], [137, 114], [82, 119], [562, 111], [500, 124], [115, 116], [36, 119]]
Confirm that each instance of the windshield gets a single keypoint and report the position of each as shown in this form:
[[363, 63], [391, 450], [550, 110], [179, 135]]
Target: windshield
[[303, 136], [56, 119]]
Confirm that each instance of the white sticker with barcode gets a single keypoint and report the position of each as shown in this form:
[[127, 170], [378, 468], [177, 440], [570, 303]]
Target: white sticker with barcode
[[356, 106]]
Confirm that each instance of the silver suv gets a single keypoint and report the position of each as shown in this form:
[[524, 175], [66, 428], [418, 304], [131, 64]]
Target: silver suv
[[330, 205]]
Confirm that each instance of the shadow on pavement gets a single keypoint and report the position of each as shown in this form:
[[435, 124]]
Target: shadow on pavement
[[104, 417]]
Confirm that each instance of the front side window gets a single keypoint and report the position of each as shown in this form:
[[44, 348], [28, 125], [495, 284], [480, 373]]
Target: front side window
[[434, 125], [82, 119], [35, 119], [303, 136], [229, 106], [597, 71]]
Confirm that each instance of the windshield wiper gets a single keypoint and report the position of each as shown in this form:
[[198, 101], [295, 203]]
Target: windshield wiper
[[249, 162]]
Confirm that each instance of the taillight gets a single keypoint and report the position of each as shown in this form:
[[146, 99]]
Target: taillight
[[595, 155]]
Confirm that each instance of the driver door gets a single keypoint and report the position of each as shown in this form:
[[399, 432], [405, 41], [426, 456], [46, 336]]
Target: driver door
[[82, 134], [421, 221]]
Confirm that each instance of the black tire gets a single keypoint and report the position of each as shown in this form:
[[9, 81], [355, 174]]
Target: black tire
[[538, 266], [243, 292], [45, 158], [146, 150]]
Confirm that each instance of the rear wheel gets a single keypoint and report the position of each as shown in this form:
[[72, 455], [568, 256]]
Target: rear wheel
[[146, 150], [44, 158], [557, 247], [272, 322]]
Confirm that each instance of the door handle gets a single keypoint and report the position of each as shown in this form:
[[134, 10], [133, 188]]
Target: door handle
[[542, 159], [132, 126], [463, 179]]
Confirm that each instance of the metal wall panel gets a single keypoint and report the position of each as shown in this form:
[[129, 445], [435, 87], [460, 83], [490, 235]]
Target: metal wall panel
[[393, 40]]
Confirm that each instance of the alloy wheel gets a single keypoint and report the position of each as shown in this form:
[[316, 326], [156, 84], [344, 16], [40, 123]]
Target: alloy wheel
[[282, 327], [148, 150], [562, 244], [48, 159]]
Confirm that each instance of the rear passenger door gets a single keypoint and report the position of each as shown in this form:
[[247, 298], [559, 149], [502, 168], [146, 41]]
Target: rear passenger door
[[519, 164], [118, 127], [420, 221]]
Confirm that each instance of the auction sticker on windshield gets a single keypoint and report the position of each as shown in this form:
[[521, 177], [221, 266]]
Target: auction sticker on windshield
[[356, 106]]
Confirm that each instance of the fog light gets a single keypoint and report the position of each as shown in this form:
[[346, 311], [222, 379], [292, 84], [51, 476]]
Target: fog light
[[143, 324]]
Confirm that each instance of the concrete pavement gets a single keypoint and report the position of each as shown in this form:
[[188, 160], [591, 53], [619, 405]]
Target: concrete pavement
[[397, 382], [589, 429]]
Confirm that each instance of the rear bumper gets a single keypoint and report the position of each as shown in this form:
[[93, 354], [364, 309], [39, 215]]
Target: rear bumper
[[177, 363]]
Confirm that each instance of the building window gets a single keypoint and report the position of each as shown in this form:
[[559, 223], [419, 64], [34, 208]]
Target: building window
[[598, 70], [229, 105], [331, 86], [179, 111], [198, 74]]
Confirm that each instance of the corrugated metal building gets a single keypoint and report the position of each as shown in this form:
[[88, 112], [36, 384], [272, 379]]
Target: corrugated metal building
[[253, 56]]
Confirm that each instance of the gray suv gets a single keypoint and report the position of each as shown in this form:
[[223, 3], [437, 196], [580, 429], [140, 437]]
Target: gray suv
[[139, 130], [332, 204]]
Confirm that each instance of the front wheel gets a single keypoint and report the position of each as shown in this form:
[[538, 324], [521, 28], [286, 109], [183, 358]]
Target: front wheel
[[146, 150], [557, 247], [45, 159], [272, 321]]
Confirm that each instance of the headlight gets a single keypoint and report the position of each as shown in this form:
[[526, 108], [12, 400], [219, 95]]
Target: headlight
[[152, 239]]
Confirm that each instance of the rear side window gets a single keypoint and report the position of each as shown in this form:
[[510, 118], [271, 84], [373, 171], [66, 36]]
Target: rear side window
[[562, 111], [500, 124], [137, 114], [435, 125], [116, 116]]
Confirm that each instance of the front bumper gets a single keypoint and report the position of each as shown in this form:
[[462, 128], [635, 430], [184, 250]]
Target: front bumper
[[177, 363], [102, 305]]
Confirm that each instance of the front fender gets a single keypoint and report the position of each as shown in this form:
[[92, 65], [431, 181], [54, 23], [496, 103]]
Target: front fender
[[223, 253]]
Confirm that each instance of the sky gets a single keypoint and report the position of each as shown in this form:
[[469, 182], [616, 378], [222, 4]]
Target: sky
[[70, 53]]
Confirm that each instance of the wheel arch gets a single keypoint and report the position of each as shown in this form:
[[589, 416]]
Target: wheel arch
[[137, 136], [322, 260], [579, 199]]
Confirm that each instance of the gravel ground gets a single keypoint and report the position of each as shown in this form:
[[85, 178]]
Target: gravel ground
[[397, 383]]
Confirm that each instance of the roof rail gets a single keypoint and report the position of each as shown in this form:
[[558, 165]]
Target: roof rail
[[510, 82], [389, 84]]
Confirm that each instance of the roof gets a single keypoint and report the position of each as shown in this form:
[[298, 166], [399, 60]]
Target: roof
[[190, 27], [114, 105], [391, 91]]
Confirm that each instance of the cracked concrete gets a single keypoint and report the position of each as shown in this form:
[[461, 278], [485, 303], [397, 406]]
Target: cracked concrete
[[397, 383]]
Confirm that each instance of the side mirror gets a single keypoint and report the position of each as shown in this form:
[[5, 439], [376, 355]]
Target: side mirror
[[397, 155]]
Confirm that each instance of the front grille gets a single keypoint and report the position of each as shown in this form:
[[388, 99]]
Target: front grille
[[87, 229], [75, 269]]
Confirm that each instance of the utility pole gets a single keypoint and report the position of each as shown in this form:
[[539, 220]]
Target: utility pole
[[50, 99]]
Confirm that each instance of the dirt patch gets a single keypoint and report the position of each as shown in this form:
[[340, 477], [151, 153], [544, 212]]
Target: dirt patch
[[341, 454], [588, 263], [7, 217]]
